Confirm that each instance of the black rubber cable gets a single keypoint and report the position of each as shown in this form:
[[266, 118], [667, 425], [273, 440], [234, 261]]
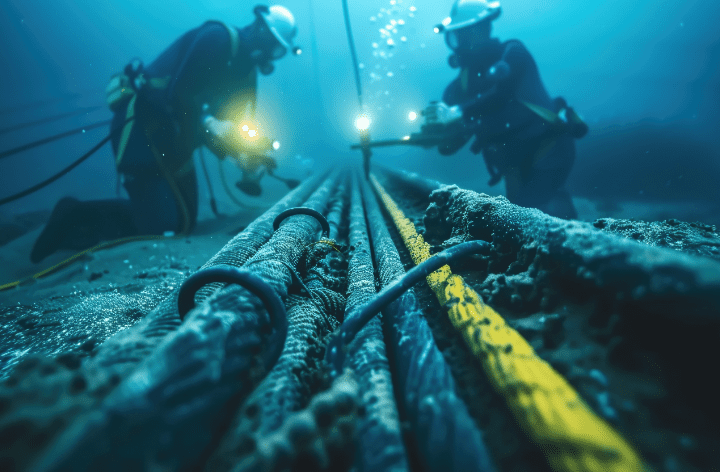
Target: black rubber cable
[[303, 211], [50, 119], [353, 54], [49, 139], [213, 203], [39, 104], [253, 283], [359, 318], [55, 177]]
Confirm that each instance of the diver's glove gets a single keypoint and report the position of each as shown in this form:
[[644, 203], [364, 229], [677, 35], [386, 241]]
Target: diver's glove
[[439, 113]]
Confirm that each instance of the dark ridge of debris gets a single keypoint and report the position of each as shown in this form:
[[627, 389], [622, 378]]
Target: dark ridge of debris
[[698, 239], [628, 324]]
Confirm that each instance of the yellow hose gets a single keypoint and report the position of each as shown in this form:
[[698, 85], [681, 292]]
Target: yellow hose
[[548, 409]]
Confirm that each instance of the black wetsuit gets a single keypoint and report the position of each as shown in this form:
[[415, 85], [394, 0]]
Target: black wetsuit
[[156, 163], [516, 143]]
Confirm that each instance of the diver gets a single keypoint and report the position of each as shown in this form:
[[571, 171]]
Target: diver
[[498, 97], [200, 91]]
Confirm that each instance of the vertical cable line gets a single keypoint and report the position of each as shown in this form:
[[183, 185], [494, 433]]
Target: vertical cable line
[[353, 54], [364, 134]]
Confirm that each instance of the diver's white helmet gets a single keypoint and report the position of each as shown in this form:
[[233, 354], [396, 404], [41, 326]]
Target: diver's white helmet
[[466, 13], [281, 24]]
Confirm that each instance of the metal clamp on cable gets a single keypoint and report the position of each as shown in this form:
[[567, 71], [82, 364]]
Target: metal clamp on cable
[[335, 352], [303, 211], [252, 282]]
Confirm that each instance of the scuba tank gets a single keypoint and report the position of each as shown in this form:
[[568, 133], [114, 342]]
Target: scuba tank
[[124, 85]]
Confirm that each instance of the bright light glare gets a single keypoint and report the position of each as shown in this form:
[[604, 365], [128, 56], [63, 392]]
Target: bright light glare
[[245, 127], [362, 122], [412, 116], [276, 145], [406, 138], [298, 51], [447, 21], [436, 30], [252, 133]]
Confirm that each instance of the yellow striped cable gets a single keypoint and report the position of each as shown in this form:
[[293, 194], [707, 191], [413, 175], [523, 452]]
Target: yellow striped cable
[[74, 257], [548, 409]]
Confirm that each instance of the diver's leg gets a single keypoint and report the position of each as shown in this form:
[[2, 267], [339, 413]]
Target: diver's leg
[[542, 186], [80, 225], [545, 190], [560, 205], [153, 203], [159, 209]]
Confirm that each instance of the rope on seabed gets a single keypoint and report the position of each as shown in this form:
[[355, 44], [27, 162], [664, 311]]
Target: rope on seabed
[[549, 410]]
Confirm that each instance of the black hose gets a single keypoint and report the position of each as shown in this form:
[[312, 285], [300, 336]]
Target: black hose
[[303, 211], [213, 203], [55, 177], [50, 119], [253, 283], [359, 318], [39, 104], [49, 139]]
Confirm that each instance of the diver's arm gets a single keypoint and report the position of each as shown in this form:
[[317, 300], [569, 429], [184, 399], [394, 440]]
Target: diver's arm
[[217, 135], [504, 73], [456, 138]]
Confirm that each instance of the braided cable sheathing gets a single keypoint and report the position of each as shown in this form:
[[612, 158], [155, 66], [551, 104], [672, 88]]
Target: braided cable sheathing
[[130, 346], [550, 411], [446, 436], [380, 442], [289, 384], [177, 395]]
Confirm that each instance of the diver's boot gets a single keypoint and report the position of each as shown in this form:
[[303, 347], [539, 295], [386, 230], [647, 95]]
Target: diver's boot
[[80, 225]]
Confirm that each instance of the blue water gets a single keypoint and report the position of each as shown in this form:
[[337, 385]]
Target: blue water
[[645, 76]]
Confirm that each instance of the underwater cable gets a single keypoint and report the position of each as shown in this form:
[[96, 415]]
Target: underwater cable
[[364, 133], [49, 139], [50, 119], [67, 169], [40, 103], [66, 262], [359, 318], [213, 203], [547, 407]]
